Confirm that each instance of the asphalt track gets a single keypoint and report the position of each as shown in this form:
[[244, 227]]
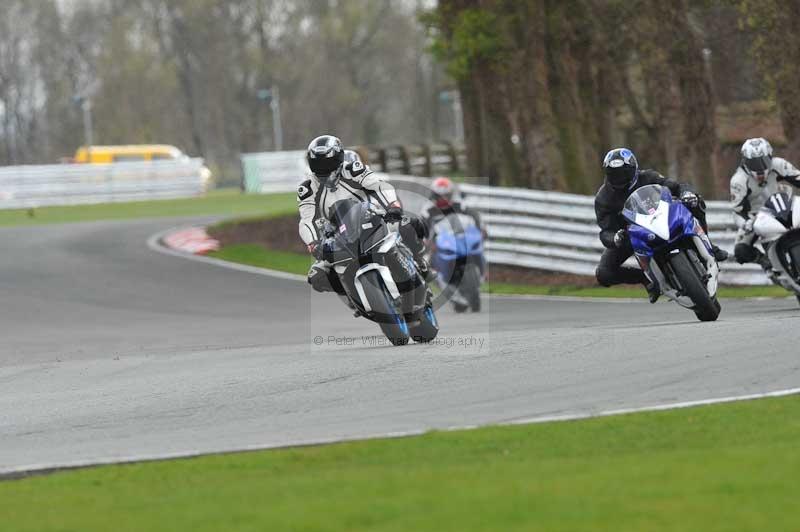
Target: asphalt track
[[112, 351]]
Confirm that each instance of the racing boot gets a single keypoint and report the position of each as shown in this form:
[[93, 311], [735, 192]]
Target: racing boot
[[766, 265], [719, 254], [764, 262], [653, 291]]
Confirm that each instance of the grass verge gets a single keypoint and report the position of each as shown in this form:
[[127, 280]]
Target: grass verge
[[255, 255], [298, 263], [716, 468], [227, 202]]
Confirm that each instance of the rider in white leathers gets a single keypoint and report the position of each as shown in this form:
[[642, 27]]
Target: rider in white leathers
[[337, 175], [756, 179]]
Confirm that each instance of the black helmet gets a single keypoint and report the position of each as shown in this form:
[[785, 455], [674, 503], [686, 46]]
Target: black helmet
[[621, 168], [325, 156]]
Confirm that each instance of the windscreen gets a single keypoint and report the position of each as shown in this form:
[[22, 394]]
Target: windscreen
[[644, 200], [455, 223], [347, 217]]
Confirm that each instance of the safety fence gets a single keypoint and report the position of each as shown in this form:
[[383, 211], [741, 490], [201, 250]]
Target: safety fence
[[415, 159], [31, 186]]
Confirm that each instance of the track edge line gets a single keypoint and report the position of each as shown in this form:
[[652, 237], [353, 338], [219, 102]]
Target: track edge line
[[39, 469]]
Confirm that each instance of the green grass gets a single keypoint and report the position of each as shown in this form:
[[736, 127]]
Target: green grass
[[718, 468], [227, 202], [255, 255]]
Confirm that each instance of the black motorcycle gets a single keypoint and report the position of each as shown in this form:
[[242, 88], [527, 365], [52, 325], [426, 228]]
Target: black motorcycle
[[378, 272]]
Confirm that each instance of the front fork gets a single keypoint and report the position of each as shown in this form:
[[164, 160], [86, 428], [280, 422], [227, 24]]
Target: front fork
[[644, 264]]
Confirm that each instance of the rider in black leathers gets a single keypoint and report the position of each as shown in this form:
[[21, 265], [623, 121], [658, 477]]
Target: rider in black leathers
[[622, 177]]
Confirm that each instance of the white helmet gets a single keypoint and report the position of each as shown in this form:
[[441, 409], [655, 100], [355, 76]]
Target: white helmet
[[757, 157], [351, 156]]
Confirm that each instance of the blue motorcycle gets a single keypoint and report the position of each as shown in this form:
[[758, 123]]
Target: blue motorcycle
[[459, 262], [673, 250]]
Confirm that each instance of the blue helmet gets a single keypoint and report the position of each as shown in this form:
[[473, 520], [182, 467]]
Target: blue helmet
[[621, 169]]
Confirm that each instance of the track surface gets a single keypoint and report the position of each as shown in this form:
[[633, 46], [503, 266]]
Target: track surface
[[112, 351]]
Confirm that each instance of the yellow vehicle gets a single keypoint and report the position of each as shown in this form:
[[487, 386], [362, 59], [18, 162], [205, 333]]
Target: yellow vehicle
[[136, 153], [131, 153]]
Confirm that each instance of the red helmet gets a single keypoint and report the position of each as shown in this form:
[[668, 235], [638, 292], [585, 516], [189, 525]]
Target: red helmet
[[442, 190]]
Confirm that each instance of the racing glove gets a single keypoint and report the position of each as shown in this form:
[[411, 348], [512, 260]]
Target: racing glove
[[748, 225], [690, 199], [394, 212], [315, 248], [621, 238]]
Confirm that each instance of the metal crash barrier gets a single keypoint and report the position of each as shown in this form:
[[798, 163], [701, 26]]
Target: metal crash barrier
[[31, 186]]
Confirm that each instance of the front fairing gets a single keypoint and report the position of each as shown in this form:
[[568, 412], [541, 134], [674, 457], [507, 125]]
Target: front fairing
[[656, 221], [451, 246]]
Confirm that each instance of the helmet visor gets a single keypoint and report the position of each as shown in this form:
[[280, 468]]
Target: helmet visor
[[324, 166], [757, 165]]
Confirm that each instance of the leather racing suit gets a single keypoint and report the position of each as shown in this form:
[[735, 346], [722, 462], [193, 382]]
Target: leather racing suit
[[355, 180]]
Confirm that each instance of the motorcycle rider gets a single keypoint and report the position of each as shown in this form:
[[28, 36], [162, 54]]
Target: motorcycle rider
[[442, 196], [333, 179], [622, 177], [755, 180]]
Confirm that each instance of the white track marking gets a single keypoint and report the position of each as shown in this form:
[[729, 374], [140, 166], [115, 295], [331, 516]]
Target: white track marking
[[654, 408], [43, 468]]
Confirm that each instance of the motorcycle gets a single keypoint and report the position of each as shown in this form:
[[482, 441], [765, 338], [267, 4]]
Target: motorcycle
[[458, 260], [378, 273], [673, 250], [778, 225]]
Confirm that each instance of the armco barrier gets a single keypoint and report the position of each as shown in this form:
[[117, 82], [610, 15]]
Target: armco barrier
[[71, 184]]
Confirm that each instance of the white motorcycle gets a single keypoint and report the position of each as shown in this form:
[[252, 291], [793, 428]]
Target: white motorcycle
[[778, 226]]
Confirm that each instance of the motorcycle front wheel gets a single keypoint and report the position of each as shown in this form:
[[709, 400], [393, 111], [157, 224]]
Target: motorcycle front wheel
[[706, 307], [384, 309], [471, 286], [427, 328], [794, 253]]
